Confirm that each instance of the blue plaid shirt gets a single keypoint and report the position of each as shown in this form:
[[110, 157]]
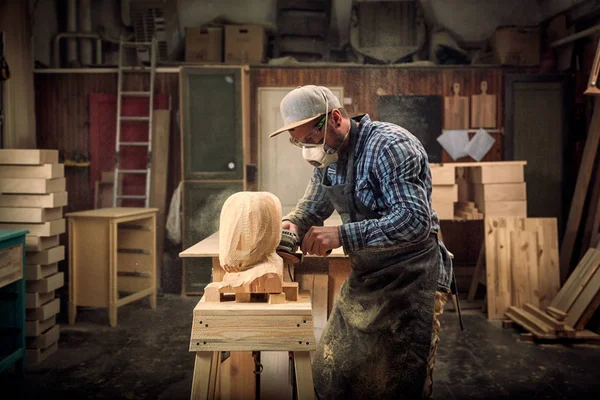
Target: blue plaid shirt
[[393, 179]]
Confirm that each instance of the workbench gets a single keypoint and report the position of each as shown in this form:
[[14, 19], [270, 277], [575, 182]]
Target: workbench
[[111, 250], [12, 299]]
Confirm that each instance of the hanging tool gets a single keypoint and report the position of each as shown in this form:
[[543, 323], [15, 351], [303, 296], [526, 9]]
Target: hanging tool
[[152, 46]]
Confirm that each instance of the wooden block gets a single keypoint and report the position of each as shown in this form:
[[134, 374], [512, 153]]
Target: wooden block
[[243, 297], [35, 272], [34, 300], [44, 311], [510, 173], [504, 208], [276, 298], [45, 340], [50, 200], [39, 243], [46, 171], [47, 284], [48, 256], [28, 157], [36, 356], [290, 289], [35, 328], [32, 186], [556, 313], [444, 211], [11, 264], [29, 215], [498, 192], [212, 295], [507, 324], [443, 174], [45, 229], [444, 193]]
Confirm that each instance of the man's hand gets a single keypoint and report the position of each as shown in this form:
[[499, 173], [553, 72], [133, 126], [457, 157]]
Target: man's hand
[[320, 239], [289, 226]]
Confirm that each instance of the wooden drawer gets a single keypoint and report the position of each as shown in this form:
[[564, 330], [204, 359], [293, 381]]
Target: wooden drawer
[[11, 264]]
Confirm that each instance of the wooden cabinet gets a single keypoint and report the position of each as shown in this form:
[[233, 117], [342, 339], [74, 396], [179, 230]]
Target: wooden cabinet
[[215, 120]]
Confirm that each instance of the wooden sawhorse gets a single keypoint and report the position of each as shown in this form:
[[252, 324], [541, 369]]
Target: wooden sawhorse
[[231, 326]]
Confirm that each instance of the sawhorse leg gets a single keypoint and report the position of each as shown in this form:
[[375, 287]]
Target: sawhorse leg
[[304, 378], [204, 381]]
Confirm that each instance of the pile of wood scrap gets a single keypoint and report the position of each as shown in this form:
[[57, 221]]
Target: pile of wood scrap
[[521, 259], [571, 309], [466, 210]]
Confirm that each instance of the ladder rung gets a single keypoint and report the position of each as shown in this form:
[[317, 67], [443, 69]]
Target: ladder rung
[[133, 171], [136, 94], [134, 144], [130, 196], [133, 68], [135, 118], [136, 44]]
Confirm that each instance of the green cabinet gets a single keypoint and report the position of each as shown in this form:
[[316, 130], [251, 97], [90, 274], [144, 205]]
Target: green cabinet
[[215, 151]]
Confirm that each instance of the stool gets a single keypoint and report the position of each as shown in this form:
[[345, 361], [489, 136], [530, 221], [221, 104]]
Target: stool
[[231, 326]]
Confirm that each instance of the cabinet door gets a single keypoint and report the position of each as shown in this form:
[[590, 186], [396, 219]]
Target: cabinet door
[[202, 203], [212, 123]]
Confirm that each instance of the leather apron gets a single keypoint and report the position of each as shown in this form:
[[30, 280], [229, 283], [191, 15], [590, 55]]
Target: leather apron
[[377, 339]]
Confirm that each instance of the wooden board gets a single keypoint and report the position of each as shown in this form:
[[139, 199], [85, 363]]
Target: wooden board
[[47, 284], [45, 340], [48, 256], [586, 299], [50, 200], [44, 311], [28, 157], [498, 192], [573, 287], [35, 328], [34, 300], [498, 173], [504, 208], [483, 108], [36, 356], [35, 272], [524, 268], [548, 261], [29, 215], [456, 110], [11, 264], [444, 210], [444, 193], [50, 228], [32, 186], [46, 171], [39, 243], [531, 323], [443, 174]]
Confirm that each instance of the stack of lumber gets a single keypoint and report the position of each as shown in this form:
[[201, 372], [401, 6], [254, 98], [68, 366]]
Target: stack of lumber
[[466, 210], [521, 261], [570, 310], [498, 189], [32, 197], [444, 191]]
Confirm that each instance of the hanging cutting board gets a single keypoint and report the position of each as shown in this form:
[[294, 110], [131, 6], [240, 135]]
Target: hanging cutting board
[[483, 109], [456, 110]]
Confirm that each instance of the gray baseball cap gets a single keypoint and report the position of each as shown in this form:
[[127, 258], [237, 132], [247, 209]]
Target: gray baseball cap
[[304, 104]]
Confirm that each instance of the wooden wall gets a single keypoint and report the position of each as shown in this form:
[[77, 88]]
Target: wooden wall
[[361, 83], [62, 117]]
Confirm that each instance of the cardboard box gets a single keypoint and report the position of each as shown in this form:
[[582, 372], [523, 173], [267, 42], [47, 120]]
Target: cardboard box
[[244, 44], [517, 45], [204, 44]]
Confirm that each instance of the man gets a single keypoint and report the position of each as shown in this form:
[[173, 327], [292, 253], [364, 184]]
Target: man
[[381, 338]]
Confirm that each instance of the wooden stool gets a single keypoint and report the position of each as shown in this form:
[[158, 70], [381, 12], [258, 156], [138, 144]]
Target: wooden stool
[[231, 326]]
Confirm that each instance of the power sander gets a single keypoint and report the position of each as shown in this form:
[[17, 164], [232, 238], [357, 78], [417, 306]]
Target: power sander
[[288, 247]]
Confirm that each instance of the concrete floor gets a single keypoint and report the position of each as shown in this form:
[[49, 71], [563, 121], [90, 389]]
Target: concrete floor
[[146, 357]]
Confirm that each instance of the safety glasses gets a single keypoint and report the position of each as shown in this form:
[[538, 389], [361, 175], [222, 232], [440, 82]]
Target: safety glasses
[[314, 131]]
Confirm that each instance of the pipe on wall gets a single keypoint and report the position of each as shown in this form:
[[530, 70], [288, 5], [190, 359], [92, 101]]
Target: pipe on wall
[[73, 36], [71, 27], [85, 26]]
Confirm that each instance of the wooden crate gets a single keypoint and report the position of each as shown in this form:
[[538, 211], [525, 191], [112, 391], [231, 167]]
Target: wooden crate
[[35, 300]]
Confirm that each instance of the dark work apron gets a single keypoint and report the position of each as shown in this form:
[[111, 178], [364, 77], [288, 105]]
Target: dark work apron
[[376, 342]]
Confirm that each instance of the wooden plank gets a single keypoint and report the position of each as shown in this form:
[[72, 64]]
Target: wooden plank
[[444, 193], [548, 260], [29, 215], [529, 322], [498, 192], [34, 300], [47, 284], [35, 328], [36, 356], [578, 280], [32, 186], [444, 211], [39, 243], [28, 157], [44, 311], [541, 315], [588, 313], [50, 200], [304, 379], [49, 228], [46, 171], [443, 174], [45, 340], [34, 272], [581, 188], [556, 313], [584, 301], [11, 264], [48, 256], [510, 173], [158, 181], [524, 268], [504, 208]]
